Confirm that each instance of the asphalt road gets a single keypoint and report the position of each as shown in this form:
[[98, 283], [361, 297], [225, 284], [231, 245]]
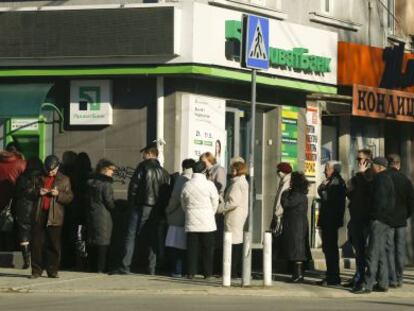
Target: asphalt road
[[157, 302]]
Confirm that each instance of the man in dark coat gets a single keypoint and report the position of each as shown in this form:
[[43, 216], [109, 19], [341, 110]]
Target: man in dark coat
[[148, 195], [359, 192], [404, 206], [332, 193], [54, 194], [381, 209]]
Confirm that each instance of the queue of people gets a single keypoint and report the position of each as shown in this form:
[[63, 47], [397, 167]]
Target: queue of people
[[199, 205]]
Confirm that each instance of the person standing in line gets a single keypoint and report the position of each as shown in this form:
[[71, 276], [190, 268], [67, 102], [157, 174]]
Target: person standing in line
[[200, 201], [235, 210], [100, 204], [404, 207], [332, 193], [148, 195], [284, 172], [27, 187], [381, 209], [295, 243], [359, 193], [176, 238], [12, 165], [55, 193]]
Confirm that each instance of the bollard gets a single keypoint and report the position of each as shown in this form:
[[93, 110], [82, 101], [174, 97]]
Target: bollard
[[267, 259], [247, 259], [227, 259]]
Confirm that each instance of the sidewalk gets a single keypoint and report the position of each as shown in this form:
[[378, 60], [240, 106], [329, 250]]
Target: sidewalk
[[16, 281]]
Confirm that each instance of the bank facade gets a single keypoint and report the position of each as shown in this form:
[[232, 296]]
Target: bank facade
[[171, 73]]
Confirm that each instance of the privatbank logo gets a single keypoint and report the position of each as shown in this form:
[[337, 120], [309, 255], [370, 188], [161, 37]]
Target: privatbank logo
[[89, 98]]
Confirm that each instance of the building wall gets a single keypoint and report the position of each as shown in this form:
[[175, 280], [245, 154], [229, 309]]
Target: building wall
[[404, 10]]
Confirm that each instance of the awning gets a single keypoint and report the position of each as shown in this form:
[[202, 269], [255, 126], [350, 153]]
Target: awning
[[22, 100]]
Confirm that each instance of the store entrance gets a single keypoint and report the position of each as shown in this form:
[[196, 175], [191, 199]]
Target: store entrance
[[238, 134]]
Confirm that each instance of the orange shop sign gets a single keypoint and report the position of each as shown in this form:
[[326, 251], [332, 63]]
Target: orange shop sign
[[379, 103]]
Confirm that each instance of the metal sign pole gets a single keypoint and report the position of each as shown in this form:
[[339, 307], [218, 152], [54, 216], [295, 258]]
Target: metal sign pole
[[247, 251]]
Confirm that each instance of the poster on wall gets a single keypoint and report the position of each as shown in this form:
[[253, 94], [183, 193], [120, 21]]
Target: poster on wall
[[289, 146], [313, 141], [203, 127], [90, 102]]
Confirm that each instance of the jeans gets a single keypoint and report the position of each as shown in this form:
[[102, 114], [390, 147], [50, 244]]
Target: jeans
[[377, 265], [140, 221], [203, 241], [358, 231], [331, 251], [396, 242]]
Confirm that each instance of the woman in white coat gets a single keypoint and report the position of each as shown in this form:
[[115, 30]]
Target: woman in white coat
[[235, 211], [200, 200]]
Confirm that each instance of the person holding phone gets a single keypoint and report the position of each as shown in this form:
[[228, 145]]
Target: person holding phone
[[359, 193], [54, 193]]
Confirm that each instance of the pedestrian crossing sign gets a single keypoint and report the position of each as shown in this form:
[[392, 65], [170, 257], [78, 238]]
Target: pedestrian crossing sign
[[256, 43]]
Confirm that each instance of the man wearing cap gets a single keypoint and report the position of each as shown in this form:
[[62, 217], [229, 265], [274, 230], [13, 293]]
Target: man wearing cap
[[284, 171], [54, 193], [148, 196], [381, 209]]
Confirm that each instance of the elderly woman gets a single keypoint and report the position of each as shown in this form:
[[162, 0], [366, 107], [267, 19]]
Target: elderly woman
[[295, 223], [332, 193], [100, 202], [199, 199], [235, 211]]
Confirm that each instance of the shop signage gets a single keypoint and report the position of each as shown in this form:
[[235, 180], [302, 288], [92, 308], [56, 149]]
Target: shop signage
[[24, 125], [383, 104], [293, 50], [203, 127], [90, 102], [289, 145], [313, 133], [297, 58]]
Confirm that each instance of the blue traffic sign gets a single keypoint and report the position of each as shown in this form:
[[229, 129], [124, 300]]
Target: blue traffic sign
[[256, 47]]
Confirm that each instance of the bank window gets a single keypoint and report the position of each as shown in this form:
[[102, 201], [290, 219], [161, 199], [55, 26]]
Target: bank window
[[327, 6]]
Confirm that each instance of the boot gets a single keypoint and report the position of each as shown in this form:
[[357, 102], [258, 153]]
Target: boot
[[26, 256], [297, 276]]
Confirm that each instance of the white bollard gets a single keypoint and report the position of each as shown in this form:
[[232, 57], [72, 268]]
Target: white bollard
[[227, 259], [267, 259]]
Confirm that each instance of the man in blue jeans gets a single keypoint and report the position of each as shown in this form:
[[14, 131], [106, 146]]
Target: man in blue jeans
[[381, 210], [148, 195], [404, 204]]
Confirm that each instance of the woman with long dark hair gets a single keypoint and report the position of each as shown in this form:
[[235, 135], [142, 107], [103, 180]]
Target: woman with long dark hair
[[295, 224]]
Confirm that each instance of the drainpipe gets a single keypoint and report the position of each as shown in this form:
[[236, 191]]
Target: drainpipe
[[160, 118]]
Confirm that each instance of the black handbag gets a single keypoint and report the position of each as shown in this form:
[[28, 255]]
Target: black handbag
[[6, 219]]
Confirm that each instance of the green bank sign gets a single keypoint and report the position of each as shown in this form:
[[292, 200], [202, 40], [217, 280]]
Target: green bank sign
[[297, 59]]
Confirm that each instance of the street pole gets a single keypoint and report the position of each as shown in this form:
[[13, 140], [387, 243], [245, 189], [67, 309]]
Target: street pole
[[248, 238]]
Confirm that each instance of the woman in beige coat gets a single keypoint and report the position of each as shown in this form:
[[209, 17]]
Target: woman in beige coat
[[235, 211]]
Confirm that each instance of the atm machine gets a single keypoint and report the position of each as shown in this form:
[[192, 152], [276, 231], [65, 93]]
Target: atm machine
[[29, 134]]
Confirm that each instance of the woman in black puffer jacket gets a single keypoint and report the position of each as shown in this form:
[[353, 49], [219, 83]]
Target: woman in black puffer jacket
[[27, 187], [100, 203]]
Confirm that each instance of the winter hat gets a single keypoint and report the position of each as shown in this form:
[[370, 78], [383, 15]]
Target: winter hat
[[380, 161], [51, 162], [284, 167]]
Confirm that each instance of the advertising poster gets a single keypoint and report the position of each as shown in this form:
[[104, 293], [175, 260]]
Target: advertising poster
[[312, 152], [203, 127], [289, 131]]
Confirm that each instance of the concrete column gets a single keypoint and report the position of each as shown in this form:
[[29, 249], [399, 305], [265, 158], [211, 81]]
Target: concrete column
[[160, 118]]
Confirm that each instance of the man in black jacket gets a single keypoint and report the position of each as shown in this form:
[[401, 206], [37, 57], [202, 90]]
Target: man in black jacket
[[359, 192], [333, 194], [381, 209], [148, 196], [404, 204]]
